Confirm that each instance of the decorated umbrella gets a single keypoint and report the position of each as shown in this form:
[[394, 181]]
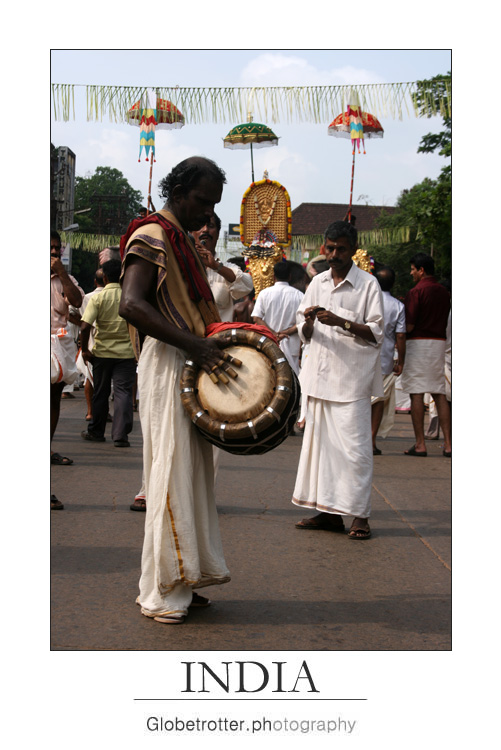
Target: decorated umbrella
[[250, 134], [150, 113], [356, 125]]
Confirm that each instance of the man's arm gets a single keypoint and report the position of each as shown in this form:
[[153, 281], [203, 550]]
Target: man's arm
[[85, 330], [70, 290], [139, 284], [210, 261], [400, 344], [358, 329]]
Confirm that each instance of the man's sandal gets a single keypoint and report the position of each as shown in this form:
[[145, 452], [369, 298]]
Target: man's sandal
[[138, 504], [358, 532], [169, 619], [413, 452], [322, 524], [58, 460]]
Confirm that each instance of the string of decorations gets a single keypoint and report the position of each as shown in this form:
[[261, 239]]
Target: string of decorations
[[94, 243], [313, 104]]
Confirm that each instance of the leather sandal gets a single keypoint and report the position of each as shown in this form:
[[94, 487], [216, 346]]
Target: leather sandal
[[413, 452]]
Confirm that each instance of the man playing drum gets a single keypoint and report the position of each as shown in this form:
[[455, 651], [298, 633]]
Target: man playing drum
[[341, 316], [166, 297]]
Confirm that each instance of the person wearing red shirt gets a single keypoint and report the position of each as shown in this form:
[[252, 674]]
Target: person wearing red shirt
[[427, 307]]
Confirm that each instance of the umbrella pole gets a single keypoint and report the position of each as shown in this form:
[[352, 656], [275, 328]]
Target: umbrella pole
[[149, 185], [252, 164], [351, 188]]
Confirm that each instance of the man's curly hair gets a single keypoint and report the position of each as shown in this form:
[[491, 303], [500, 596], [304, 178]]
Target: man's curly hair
[[188, 173]]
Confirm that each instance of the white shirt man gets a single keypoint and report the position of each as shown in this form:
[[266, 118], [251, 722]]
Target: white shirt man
[[276, 307], [225, 293], [342, 317], [227, 281], [383, 407]]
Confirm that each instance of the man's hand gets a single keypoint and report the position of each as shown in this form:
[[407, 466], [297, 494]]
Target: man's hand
[[206, 256], [87, 356], [329, 318], [70, 291], [397, 369], [108, 254], [57, 266], [309, 319], [209, 354]]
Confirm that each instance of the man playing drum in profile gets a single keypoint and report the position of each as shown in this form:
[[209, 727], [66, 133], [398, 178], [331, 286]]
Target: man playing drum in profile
[[166, 297], [341, 316]]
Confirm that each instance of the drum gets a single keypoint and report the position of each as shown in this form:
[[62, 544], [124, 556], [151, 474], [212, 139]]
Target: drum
[[254, 412]]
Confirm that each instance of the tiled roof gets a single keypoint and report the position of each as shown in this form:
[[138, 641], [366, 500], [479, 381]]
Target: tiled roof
[[314, 218]]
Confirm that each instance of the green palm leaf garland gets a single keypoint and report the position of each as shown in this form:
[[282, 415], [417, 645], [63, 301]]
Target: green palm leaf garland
[[313, 104]]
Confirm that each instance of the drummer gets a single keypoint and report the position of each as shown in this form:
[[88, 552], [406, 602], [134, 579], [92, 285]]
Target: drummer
[[227, 281], [166, 297]]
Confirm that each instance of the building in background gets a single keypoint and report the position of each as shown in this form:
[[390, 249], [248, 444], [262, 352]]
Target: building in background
[[62, 167], [310, 220]]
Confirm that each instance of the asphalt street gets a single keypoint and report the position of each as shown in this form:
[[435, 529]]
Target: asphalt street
[[291, 589]]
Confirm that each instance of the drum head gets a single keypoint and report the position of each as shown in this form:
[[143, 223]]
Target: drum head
[[245, 396]]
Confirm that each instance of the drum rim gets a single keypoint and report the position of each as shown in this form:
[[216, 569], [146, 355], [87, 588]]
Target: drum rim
[[269, 416]]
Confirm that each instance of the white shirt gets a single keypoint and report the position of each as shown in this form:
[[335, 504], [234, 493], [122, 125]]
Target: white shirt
[[277, 305], [341, 366], [394, 322], [224, 292], [59, 307]]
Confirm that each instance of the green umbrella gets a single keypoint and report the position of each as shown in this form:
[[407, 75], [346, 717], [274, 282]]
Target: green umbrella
[[250, 134]]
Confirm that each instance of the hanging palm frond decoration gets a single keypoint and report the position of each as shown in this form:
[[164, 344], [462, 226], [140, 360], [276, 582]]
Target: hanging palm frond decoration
[[313, 104], [91, 243], [376, 237]]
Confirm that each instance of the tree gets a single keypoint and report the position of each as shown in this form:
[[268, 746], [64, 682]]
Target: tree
[[426, 207], [112, 200]]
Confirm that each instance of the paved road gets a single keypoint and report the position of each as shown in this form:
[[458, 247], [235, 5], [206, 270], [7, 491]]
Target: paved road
[[291, 589]]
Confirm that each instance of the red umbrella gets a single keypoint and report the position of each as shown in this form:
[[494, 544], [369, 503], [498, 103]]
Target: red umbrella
[[356, 125], [148, 114]]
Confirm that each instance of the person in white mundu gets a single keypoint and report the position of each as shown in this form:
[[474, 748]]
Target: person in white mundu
[[341, 316]]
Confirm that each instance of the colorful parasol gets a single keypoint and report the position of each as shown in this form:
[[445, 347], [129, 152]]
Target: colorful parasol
[[248, 135], [357, 126], [148, 114]]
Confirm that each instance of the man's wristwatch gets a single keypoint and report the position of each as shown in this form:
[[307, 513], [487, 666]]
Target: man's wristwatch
[[347, 325]]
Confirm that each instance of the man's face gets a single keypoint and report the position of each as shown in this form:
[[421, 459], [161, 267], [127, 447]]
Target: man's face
[[416, 273], [55, 251], [338, 254], [208, 235], [196, 208]]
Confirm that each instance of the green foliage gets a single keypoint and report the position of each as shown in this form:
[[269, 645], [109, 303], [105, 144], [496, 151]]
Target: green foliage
[[112, 200], [427, 206], [83, 268]]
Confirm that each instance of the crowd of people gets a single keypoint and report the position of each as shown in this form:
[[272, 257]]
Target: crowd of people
[[344, 334]]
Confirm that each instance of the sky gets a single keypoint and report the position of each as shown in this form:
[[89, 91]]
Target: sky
[[312, 166]]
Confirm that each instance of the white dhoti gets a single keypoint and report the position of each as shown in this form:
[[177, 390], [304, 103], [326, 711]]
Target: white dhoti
[[335, 466], [424, 366], [182, 545], [388, 418]]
